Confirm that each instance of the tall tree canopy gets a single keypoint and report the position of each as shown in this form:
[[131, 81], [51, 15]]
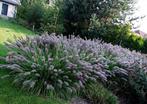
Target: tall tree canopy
[[77, 13]]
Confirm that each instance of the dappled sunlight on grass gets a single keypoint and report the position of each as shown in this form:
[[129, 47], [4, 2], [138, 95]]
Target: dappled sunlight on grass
[[6, 34], [8, 30]]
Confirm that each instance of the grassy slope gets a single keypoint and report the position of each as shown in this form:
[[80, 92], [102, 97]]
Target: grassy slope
[[9, 30], [12, 95], [8, 93]]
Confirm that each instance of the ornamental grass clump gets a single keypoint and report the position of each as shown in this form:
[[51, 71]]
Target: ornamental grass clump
[[98, 94], [56, 63]]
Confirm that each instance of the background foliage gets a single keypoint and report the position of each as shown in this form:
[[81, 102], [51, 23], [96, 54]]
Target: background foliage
[[77, 13], [120, 35], [41, 16]]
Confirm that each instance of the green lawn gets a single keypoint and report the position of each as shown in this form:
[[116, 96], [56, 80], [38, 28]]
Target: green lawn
[[8, 93], [9, 30], [12, 95]]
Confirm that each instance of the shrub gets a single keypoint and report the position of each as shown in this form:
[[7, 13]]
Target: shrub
[[45, 63], [131, 88], [46, 17], [138, 86], [97, 94], [52, 20], [36, 11], [117, 34], [27, 11], [145, 46]]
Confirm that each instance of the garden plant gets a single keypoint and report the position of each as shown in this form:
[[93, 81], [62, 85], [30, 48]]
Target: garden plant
[[55, 63]]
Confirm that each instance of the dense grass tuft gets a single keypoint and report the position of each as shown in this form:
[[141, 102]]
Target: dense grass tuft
[[8, 93], [51, 63]]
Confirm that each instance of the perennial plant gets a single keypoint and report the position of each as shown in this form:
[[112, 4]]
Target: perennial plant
[[56, 63]]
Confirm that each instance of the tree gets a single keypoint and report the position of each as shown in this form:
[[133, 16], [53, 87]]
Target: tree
[[41, 16], [77, 13], [31, 11]]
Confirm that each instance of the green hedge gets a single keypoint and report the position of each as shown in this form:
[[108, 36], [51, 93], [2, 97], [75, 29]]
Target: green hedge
[[119, 35]]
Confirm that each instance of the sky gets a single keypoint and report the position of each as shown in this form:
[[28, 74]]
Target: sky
[[142, 11]]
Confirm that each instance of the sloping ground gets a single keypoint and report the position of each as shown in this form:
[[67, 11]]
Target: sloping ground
[[73, 62], [9, 30], [11, 95], [96, 61], [8, 93]]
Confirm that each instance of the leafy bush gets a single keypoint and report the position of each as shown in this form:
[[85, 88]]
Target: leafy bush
[[45, 63], [36, 11], [52, 20], [132, 88], [145, 46], [120, 34], [26, 12], [97, 94], [46, 17], [117, 34], [138, 86]]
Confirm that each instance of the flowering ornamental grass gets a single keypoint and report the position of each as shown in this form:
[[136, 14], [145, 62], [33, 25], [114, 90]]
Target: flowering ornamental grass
[[57, 63]]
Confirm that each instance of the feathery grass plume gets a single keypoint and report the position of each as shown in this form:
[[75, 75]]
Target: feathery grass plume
[[56, 63]]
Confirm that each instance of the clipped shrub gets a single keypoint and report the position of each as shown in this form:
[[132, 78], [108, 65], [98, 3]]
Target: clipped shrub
[[97, 94], [56, 63]]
